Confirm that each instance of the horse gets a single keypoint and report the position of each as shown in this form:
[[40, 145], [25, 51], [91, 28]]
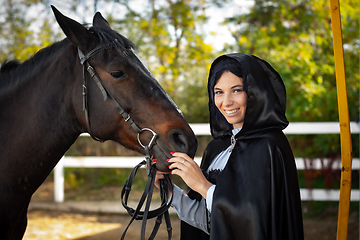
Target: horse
[[91, 81]]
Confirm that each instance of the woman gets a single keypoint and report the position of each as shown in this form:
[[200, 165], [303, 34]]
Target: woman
[[246, 186]]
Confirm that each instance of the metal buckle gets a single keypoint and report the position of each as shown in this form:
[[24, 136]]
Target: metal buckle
[[152, 139]]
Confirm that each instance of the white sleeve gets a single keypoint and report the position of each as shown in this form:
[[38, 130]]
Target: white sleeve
[[209, 197], [191, 211]]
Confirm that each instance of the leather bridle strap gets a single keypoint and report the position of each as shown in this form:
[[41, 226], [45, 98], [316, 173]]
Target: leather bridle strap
[[137, 214], [84, 61], [165, 184]]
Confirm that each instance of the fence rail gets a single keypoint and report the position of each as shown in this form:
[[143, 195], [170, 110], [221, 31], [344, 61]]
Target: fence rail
[[203, 129]]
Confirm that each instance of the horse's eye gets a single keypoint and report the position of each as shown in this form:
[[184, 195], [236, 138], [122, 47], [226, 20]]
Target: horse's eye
[[117, 74]]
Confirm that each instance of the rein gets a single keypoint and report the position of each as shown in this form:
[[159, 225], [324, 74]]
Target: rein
[[137, 214], [165, 184]]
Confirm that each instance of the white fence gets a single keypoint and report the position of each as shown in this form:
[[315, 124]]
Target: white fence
[[203, 129]]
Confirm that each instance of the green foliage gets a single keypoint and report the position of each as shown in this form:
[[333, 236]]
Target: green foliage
[[171, 42], [19, 39], [296, 38]]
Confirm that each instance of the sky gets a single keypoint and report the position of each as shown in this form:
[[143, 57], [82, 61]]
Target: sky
[[217, 16]]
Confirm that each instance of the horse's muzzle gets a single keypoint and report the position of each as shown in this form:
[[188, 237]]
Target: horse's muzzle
[[178, 141]]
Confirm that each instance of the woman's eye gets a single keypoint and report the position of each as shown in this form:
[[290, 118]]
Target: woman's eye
[[117, 74]]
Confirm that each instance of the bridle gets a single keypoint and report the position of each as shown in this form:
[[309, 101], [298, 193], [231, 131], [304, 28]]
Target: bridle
[[84, 61], [165, 184]]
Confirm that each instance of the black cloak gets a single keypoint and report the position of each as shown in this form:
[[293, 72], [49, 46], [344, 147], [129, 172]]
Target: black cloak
[[257, 194]]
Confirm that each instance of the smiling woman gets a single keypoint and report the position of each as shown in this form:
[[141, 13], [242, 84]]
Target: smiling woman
[[246, 187]]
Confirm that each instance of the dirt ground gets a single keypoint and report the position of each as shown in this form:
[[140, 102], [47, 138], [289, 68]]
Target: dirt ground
[[44, 224]]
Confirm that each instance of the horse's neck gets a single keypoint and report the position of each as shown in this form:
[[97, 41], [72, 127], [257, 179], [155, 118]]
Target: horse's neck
[[38, 123], [46, 93]]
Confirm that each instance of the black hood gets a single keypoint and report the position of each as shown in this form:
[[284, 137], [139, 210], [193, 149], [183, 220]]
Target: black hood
[[266, 97]]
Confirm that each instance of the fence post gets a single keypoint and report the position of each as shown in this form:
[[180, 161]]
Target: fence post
[[345, 135], [59, 181]]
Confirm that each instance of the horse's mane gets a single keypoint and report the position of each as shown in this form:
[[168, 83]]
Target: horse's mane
[[13, 72], [108, 35], [7, 66]]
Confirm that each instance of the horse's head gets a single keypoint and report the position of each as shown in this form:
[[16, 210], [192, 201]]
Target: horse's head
[[124, 83]]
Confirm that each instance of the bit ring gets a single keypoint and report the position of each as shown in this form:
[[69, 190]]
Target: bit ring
[[152, 139]]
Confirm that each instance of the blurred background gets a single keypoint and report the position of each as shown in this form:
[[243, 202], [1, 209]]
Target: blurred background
[[178, 40]]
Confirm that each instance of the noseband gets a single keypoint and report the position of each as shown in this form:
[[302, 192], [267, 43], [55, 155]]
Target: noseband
[[165, 184]]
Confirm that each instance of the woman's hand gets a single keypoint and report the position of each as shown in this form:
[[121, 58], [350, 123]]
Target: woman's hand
[[185, 167], [160, 175]]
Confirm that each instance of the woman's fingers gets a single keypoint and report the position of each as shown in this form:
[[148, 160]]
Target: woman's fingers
[[181, 156], [185, 167], [180, 160], [159, 175]]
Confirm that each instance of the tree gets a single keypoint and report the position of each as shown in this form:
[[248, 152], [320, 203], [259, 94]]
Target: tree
[[170, 37], [18, 40], [296, 38]]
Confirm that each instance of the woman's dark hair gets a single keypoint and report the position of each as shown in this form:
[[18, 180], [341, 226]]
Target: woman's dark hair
[[231, 65]]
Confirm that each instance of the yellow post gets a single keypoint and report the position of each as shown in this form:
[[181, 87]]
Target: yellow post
[[346, 149]]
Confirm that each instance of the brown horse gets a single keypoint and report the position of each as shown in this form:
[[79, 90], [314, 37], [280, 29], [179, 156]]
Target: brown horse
[[50, 99]]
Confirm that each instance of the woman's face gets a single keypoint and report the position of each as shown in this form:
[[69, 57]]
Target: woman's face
[[230, 98]]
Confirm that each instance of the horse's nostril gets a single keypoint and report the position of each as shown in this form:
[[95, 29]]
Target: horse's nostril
[[179, 140]]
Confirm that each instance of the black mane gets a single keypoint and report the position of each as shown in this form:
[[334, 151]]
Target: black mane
[[107, 36], [8, 66], [13, 72]]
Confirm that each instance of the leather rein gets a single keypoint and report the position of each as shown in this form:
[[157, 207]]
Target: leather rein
[[165, 184]]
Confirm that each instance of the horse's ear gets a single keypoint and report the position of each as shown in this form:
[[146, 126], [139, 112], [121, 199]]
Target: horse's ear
[[99, 21], [76, 32]]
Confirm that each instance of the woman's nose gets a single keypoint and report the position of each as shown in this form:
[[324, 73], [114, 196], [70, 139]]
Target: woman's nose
[[227, 100]]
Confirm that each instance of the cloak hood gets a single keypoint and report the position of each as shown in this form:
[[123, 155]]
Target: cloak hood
[[266, 97]]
